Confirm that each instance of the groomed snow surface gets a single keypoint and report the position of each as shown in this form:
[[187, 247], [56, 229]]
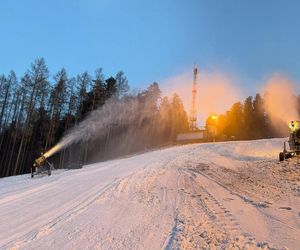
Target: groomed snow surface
[[231, 195]]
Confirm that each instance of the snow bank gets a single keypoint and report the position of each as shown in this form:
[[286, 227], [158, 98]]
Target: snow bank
[[250, 150]]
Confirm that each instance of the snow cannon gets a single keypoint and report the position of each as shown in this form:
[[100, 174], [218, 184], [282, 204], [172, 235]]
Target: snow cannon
[[41, 166], [293, 141]]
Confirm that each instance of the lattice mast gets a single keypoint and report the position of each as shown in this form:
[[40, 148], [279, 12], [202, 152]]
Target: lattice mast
[[193, 116]]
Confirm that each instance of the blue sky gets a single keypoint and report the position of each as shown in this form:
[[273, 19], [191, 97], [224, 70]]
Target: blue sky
[[153, 40]]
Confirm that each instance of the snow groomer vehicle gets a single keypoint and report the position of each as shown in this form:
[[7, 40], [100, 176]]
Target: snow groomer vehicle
[[293, 142]]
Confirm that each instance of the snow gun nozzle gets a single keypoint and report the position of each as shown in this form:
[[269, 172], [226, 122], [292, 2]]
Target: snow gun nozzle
[[39, 161]]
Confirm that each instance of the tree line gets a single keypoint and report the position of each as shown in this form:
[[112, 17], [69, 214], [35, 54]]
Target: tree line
[[246, 121], [37, 109]]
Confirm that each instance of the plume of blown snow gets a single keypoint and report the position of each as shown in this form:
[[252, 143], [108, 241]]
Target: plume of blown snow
[[216, 92], [115, 111], [281, 102]]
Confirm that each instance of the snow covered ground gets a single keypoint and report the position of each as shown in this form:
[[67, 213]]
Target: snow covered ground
[[233, 195]]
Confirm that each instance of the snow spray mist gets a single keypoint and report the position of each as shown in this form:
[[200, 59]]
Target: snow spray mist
[[122, 111], [281, 102]]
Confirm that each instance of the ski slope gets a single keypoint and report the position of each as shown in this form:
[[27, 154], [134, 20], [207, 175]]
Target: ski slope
[[213, 196]]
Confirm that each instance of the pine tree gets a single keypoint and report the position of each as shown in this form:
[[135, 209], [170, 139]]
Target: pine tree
[[111, 87], [259, 126], [165, 118], [39, 74], [83, 82], [4, 95], [57, 105], [98, 89], [248, 119], [234, 126], [121, 84], [179, 118]]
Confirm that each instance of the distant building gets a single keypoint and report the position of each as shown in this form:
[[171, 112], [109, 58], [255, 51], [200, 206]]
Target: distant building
[[196, 136]]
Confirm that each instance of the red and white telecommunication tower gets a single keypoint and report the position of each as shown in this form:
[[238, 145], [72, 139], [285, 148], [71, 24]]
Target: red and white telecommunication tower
[[193, 112]]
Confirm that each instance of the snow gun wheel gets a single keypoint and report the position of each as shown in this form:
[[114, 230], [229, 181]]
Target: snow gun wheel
[[281, 156], [288, 155]]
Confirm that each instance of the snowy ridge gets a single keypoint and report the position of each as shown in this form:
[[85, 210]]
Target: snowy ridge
[[214, 195]]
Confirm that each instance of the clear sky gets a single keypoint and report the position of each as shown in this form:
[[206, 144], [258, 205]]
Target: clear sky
[[153, 40]]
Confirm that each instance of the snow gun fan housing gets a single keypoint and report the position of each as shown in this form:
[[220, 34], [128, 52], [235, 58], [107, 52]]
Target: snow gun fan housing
[[294, 142], [39, 161]]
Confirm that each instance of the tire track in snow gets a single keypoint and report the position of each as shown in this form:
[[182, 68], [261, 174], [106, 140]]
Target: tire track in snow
[[258, 205], [258, 210], [214, 217], [37, 184], [13, 196], [73, 208], [169, 241]]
